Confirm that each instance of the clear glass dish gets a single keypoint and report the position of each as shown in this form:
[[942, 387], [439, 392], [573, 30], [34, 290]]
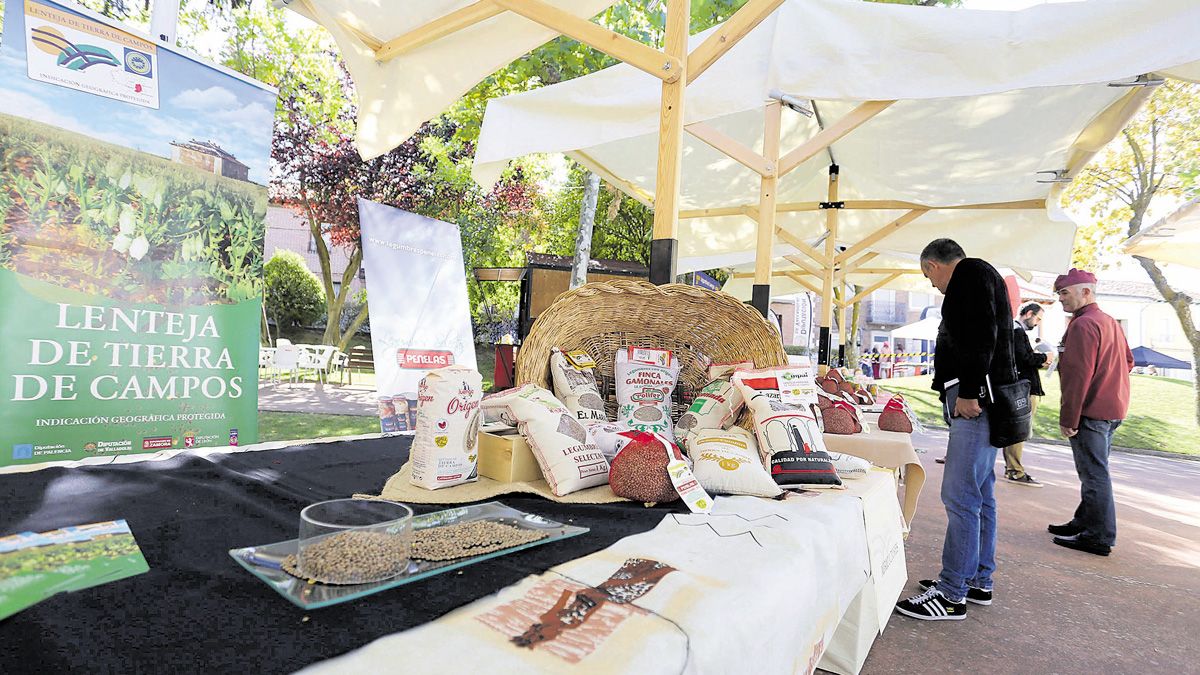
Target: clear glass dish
[[265, 561]]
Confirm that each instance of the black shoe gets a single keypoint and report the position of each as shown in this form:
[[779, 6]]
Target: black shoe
[[1085, 545], [1025, 480], [932, 606], [975, 595], [940, 460], [1065, 530]]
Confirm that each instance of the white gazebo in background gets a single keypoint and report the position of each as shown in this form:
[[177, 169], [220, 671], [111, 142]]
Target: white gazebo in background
[[837, 138]]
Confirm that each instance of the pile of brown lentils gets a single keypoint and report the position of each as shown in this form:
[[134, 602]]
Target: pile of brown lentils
[[351, 557], [463, 540]]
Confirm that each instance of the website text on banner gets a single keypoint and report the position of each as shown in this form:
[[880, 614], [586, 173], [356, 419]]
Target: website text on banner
[[131, 232], [420, 316]]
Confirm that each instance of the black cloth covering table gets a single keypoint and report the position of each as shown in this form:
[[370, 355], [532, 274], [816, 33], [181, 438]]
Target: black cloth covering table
[[197, 609]]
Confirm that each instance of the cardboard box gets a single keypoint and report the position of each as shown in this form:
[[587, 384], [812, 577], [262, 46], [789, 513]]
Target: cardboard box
[[505, 456]]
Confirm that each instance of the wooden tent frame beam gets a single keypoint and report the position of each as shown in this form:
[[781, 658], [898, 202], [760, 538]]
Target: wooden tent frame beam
[[874, 287], [729, 34], [831, 134], [732, 149], [882, 233], [666, 67]]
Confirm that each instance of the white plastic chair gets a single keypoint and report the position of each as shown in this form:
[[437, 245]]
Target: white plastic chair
[[287, 360], [312, 357]]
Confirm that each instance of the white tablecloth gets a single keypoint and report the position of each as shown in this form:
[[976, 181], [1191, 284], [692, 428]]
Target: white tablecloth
[[757, 586]]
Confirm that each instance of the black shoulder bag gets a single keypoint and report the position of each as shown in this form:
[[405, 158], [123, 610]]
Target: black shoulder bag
[[1009, 418]]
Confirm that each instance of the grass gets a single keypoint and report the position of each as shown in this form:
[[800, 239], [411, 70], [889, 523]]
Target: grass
[[285, 426], [1161, 412]]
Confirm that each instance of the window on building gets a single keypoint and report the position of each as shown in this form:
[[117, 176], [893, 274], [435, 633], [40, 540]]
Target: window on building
[[1164, 333]]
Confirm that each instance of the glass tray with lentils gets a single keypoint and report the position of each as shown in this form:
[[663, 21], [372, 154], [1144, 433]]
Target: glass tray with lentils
[[266, 561]]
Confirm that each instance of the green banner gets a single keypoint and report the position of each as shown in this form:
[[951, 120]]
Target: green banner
[[130, 245]]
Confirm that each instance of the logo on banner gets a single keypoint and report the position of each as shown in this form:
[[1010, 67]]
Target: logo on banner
[[138, 63], [23, 451], [189, 439], [424, 358], [69, 54], [157, 443]]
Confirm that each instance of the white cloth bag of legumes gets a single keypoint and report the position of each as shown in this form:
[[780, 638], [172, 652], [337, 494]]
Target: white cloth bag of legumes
[[789, 439], [575, 384], [445, 447], [563, 447], [726, 462], [645, 379]]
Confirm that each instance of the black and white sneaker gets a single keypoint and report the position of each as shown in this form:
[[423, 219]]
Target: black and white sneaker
[[974, 595], [932, 606]]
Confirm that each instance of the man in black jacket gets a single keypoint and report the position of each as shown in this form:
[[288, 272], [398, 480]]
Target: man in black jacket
[[1028, 363], [973, 353]]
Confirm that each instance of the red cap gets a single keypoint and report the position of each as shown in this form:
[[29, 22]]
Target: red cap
[[1075, 276]]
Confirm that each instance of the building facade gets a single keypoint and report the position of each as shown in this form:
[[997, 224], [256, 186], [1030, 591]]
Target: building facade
[[287, 230]]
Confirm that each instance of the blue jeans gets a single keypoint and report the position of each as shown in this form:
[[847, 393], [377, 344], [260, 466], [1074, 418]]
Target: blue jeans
[[968, 491], [1097, 514]]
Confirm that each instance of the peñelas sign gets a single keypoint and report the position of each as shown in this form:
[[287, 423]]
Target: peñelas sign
[[131, 231]]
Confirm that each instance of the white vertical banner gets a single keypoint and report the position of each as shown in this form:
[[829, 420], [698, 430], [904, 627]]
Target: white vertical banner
[[417, 290], [802, 327]]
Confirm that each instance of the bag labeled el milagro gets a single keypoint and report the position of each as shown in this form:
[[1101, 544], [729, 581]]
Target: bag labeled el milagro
[[574, 378], [444, 450]]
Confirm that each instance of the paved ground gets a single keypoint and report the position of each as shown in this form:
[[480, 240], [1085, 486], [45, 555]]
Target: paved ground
[[1058, 610], [329, 399]]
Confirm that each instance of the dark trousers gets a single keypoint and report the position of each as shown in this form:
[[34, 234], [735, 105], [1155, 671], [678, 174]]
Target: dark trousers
[[1097, 513]]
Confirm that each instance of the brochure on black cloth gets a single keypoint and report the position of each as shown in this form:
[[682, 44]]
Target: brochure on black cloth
[[37, 565]]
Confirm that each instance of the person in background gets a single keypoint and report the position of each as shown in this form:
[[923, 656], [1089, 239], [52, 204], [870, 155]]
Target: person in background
[[972, 355], [875, 365], [1094, 375], [1028, 363]]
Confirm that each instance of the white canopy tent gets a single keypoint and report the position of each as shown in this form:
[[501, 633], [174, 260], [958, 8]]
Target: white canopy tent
[[939, 122], [925, 329], [1174, 239]]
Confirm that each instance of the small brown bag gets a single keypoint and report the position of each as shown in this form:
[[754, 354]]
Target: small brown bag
[[895, 416], [839, 418]]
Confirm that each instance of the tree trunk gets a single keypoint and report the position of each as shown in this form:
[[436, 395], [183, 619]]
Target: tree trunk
[[344, 343], [855, 317], [587, 221], [334, 302], [1182, 304]]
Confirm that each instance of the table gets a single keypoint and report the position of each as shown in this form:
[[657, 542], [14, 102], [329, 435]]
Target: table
[[197, 609]]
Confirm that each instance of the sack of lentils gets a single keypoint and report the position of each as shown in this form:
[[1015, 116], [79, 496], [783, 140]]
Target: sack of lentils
[[645, 379]]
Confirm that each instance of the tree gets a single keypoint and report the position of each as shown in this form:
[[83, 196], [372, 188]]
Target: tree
[[292, 295], [1155, 160]]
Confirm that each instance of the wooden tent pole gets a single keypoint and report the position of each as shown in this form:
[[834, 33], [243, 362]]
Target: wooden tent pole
[[664, 248], [831, 224], [761, 294]]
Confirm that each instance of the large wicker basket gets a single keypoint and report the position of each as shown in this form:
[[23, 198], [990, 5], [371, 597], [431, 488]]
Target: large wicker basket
[[698, 325]]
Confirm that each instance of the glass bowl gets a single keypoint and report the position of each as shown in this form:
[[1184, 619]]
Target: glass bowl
[[354, 541]]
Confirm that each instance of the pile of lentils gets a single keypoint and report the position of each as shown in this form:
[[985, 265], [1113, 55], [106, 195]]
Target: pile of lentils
[[463, 540], [352, 557]]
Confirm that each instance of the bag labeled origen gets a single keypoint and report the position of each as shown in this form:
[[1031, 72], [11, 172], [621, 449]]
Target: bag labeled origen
[[563, 447], [727, 463], [575, 384], [789, 439], [445, 448], [645, 379]]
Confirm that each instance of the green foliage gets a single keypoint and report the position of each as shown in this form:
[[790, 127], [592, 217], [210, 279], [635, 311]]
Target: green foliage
[[293, 296], [301, 63], [1157, 155], [99, 218]]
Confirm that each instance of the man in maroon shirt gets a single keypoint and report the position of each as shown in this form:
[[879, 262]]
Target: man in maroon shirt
[[1094, 375]]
